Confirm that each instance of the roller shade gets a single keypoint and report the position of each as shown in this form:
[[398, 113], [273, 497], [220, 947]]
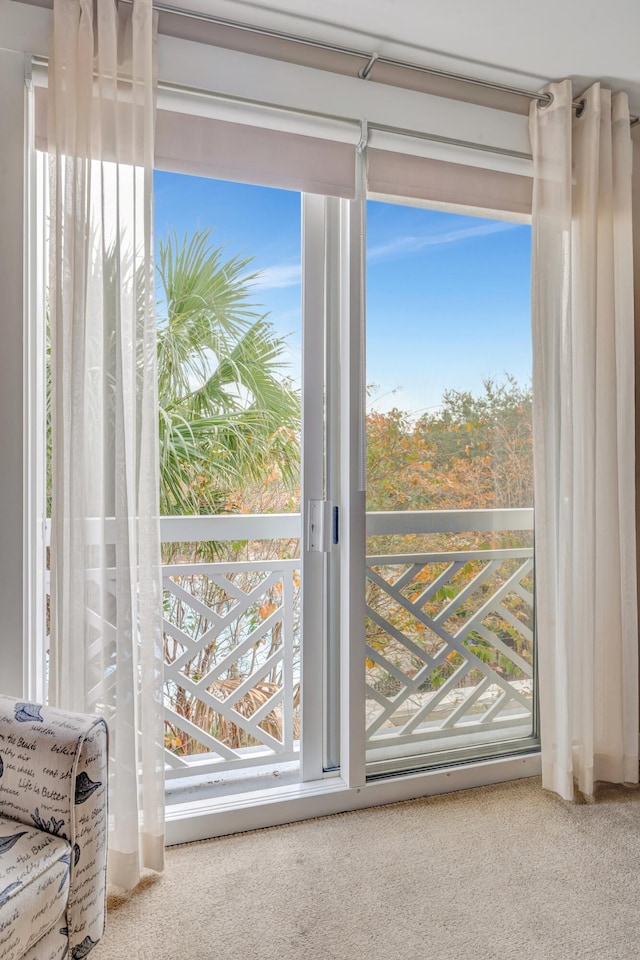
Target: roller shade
[[208, 136], [269, 148], [435, 173], [272, 158]]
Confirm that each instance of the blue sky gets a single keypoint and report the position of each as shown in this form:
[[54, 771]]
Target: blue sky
[[448, 297], [448, 303]]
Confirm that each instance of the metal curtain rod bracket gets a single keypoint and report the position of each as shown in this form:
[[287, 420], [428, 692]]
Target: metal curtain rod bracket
[[364, 72], [364, 136]]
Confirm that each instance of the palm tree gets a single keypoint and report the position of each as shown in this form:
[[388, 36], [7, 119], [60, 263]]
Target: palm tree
[[226, 410]]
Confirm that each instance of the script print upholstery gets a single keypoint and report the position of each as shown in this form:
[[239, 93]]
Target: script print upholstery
[[53, 792], [34, 884]]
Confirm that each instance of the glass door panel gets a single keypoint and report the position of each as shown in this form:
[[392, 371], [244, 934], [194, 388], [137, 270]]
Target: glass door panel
[[450, 666], [230, 373], [241, 384]]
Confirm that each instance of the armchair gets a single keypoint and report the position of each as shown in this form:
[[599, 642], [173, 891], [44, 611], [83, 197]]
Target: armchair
[[53, 832]]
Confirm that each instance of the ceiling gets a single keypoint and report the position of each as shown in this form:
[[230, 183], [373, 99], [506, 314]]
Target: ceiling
[[524, 43]]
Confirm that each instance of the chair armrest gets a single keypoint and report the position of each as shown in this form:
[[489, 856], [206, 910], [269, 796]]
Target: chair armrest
[[53, 774]]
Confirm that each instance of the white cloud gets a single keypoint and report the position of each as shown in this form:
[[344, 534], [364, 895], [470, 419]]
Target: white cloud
[[412, 244], [279, 275]]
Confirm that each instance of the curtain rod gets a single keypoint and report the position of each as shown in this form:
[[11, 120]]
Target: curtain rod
[[169, 87], [363, 125], [370, 58]]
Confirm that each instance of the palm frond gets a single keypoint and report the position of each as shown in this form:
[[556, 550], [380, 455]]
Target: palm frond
[[226, 407]]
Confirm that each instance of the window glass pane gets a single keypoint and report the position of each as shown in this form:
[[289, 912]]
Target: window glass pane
[[229, 315], [450, 587], [229, 365]]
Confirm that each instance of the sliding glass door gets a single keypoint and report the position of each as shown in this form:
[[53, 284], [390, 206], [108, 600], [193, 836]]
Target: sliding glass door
[[347, 546], [450, 655], [241, 449]]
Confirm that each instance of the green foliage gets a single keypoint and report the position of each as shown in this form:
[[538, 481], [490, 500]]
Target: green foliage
[[226, 410]]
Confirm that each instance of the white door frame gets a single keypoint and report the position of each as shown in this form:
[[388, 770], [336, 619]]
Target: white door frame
[[313, 557]]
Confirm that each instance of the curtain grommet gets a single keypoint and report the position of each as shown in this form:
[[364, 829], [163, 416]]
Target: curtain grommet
[[581, 108]]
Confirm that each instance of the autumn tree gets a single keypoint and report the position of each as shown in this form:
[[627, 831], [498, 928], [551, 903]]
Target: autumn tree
[[475, 451], [483, 444]]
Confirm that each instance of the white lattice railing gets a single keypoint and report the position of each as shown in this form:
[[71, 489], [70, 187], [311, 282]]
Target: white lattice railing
[[449, 633], [231, 641], [232, 645], [450, 640]]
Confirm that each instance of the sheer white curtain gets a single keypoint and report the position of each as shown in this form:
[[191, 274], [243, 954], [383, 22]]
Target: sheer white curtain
[[106, 602], [584, 451]]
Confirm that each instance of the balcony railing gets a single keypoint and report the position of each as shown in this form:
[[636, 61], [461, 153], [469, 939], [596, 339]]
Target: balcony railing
[[450, 635], [450, 641], [232, 643]]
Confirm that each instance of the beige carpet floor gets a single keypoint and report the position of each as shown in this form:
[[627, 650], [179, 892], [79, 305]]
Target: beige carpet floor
[[497, 873]]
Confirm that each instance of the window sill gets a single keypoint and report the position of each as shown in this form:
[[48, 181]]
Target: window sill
[[201, 819]]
